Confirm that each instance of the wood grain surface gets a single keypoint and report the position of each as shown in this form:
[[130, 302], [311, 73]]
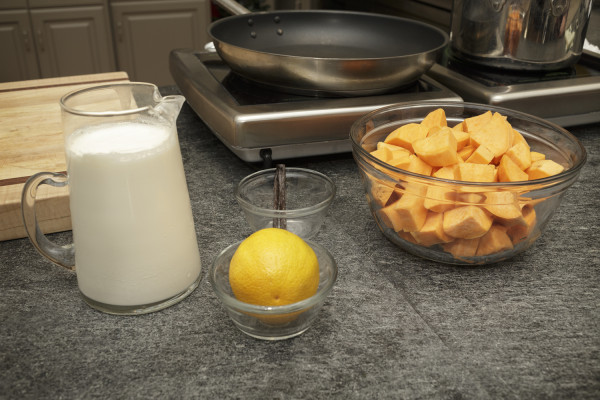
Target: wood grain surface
[[31, 141]]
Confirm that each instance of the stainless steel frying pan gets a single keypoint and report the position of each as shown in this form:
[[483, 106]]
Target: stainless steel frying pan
[[323, 51]]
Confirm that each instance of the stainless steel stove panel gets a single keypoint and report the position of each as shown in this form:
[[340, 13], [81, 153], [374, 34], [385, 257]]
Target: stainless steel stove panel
[[286, 127], [569, 101]]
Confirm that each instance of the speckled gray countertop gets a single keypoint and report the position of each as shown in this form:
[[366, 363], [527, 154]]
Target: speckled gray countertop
[[395, 326]]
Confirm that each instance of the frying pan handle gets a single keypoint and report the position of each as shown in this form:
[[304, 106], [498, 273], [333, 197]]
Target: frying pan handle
[[232, 6]]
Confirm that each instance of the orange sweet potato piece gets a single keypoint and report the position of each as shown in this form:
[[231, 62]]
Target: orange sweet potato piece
[[462, 138], [519, 232], [392, 151], [544, 168], [466, 222], [439, 149], [380, 154], [383, 194], [466, 152], [414, 164], [474, 123], [407, 214], [474, 172], [439, 198], [509, 171], [504, 206], [520, 154], [432, 231], [460, 248], [518, 138], [495, 135], [495, 240], [535, 156], [435, 118], [481, 155], [406, 135]]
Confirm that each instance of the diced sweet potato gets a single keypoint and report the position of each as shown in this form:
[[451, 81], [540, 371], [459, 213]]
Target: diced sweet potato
[[444, 172], [519, 232], [496, 135], [466, 152], [435, 118], [466, 198], [380, 154], [535, 156], [392, 151], [383, 194], [406, 135], [474, 123], [470, 172], [481, 155], [462, 138], [461, 248], [520, 154], [439, 149], [414, 164], [503, 205], [439, 198], [518, 138], [432, 231], [467, 222], [407, 214], [495, 240], [543, 169], [508, 171]]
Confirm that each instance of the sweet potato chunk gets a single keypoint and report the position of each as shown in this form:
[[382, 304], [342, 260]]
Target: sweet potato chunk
[[406, 135], [470, 172], [407, 214], [508, 171], [543, 169], [467, 222], [461, 248], [435, 118], [462, 137], [504, 206], [520, 154], [519, 232], [414, 164], [474, 123], [535, 156], [466, 152], [496, 135], [439, 149], [495, 240], [392, 151], [432, 231], [481, 155]]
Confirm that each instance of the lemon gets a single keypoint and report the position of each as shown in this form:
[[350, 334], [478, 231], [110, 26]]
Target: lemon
[[273, 267]]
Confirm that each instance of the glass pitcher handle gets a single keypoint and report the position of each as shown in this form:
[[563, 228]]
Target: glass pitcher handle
[[61, 255]]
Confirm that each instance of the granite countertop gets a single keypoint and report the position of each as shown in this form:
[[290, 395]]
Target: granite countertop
[[394, 326]]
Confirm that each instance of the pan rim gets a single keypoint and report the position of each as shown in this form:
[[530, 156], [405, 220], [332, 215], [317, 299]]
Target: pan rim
[[443, 35]]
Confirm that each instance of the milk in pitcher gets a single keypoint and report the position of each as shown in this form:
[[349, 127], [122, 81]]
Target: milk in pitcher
[[131, 216]]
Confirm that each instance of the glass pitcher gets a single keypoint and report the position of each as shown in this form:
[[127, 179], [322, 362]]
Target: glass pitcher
[[134, 241]]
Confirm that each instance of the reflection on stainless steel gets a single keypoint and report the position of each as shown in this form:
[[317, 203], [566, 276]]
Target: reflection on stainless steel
[[520, 34], [251, 119]]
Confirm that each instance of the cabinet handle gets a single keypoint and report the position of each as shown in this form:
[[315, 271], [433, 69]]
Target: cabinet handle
[[40, 39]]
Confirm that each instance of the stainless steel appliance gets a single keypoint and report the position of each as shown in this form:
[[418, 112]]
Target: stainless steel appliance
[[567, 97], [259, 123]]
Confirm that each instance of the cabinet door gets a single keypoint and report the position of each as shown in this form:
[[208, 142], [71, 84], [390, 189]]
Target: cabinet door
[[72, 41], [19, 61], [146, 31]]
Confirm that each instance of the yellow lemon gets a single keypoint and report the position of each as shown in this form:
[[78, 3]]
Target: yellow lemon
[[273, 267]]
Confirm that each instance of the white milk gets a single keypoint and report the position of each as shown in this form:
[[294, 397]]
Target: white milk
[[133, 229]]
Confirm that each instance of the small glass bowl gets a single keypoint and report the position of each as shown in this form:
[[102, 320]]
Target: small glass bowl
[[537, 198], [273, 322], [308, 196]]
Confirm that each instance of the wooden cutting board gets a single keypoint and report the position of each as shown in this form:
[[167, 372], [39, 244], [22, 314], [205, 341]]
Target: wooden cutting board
[[31, 141]]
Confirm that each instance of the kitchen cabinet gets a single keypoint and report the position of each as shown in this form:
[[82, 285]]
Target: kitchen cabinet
[[16, 44], [72, 41], [145, 32], [70, 38]]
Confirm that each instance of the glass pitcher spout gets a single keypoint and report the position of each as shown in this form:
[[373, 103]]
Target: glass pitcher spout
[[169, 107]]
